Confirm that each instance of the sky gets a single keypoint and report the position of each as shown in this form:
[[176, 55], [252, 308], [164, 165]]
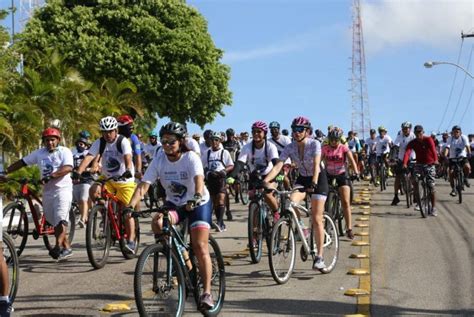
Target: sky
[[293, 57]]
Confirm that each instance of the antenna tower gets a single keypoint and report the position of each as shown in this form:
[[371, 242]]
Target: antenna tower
[[27, 8], [360, 99]]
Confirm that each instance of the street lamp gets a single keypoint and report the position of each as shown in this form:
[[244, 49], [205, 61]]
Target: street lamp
[[430, 64]]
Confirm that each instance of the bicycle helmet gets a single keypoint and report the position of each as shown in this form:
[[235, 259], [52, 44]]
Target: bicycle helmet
[[372, 131], [319, 133], [207, 134], [433, 133], [300, 122], [445, 133], [83, 140], [456, 127], [335, 134], [275, 125], [260, 125], [230, 132], [84, 134], [173, 128], [124, 119], [382, 128], [406, 124], [51, 132], [418, 128], [153, 134], [108, 124], [215, 135]]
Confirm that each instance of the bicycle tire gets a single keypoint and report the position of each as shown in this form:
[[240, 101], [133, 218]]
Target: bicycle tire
[[382, 177], [341, 220], [18, 230], [123, 242], [154, 295], [255, 232], [98, 232], [72, 221], [244, 192], [459, 185], [422, 198], [282, 243], [218, 284], [11, 259], [331, 244]]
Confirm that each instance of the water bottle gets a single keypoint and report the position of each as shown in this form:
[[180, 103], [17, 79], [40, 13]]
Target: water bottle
[[185, 255]]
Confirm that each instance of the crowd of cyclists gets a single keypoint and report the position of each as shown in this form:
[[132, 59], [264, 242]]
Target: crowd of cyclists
[[197, 172]]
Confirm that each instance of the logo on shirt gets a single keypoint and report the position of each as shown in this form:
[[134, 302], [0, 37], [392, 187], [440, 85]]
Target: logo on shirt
[[113, 165], [183, 175], [178, 190]]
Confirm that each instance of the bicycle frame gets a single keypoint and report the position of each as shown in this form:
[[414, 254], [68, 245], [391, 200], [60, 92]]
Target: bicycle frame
[[114, 212], [40, 224]]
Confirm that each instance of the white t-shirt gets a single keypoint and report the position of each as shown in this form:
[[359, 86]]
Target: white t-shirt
[[258, 161], [113, 162], [457, 147], [216, 161], [383, 145], [177, 177], [402, 141], [78, 156], [282, 142], [371, 145], [150, 149], [50, 162], [193, 145]]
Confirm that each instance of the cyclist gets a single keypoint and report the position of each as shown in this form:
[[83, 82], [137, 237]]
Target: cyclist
[[401, 142], [197, 137], [280, 142], [152, 146], [231, 144], [244, 138], [334, 155], [81, 187], [217, 163], [354, 146], [370, 150], [55, 163], [115, 152], [426, 158], [285, 132], [125, 128], [319, 135], [260, 156], [5, 304], [305, 152], [458, 147], [182, 175], [206, 144], [382, 148]]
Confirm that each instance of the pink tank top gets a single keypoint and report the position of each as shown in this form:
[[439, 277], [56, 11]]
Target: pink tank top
[[335, 158]]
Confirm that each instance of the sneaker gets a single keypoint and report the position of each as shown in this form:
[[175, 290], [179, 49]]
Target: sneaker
[[395, 200], [453, 193], [318, 264], [434, 212], [55, 252], [466, 182], [276, 217], [417, 208], [5, 308], [389, 173], [214, 226], [64, 254], [130, 246], [228, 213], [350, 234], [81, 224], [221, 228], [377, 183], [206, 301]]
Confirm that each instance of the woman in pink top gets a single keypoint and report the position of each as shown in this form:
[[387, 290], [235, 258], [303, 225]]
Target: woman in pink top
[[334, 156]]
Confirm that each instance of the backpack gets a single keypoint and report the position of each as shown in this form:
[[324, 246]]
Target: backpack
[[103, 143]]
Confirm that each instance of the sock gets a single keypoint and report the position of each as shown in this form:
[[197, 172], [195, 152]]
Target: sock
[[220, 210]]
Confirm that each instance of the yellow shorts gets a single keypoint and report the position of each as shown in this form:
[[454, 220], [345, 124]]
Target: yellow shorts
[[123, 191]]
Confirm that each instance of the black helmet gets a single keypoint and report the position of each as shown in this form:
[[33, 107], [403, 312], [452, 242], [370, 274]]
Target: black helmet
[[319, 133], [418, 128], [456, 127], [173, 128], [372, 131], [83, 140], [207, 134], [274, 124], [285, 132], [230, 132]]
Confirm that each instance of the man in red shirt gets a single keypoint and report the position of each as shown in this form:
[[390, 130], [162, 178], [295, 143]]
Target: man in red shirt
[[426, 158]]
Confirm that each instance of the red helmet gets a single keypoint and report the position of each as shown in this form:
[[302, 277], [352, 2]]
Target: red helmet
[[51, 132], [301, 122], [124, 120]]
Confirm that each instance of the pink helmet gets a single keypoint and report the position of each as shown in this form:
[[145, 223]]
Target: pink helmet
[[260, 125], [301, 122]]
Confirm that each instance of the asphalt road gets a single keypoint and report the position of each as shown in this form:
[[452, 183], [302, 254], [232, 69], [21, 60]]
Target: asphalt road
[[418, 267]]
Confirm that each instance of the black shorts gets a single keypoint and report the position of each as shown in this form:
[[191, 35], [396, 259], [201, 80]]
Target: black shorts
[[341, 179], [463, 162], [216, 184], [306, 181], [399, 168]]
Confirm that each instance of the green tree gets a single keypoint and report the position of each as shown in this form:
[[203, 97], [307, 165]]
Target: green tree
[[163, 47]]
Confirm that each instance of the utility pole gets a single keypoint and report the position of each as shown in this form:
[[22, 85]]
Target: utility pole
[[466, 35]]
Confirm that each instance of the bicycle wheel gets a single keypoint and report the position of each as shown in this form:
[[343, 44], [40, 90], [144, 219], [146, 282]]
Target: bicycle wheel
[[98, 236], [422, 199], [217, 279], [15, 222], [341, 220], [73, 212], [157, 293], [255, 232], [382, 177], [11, 258], [330, 244], [459, 184], [282, 251], [244, 192], [125, 252]]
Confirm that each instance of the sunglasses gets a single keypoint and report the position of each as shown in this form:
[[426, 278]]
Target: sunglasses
[[298, 129], [168, 141], [257, 131]]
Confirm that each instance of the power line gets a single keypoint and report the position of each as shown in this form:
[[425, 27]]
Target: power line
[[462, 88], [452, 87], [467, 106]]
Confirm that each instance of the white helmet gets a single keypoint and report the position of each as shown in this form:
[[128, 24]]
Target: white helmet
[[108, 124]]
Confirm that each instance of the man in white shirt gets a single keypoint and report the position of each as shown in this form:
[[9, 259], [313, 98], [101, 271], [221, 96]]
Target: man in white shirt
[[459, 148]]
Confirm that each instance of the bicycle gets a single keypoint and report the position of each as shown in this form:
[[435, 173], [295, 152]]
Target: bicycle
[[105, 226], [333, 207], [282, 251], [422, 190], [16, 219], [259, 225], [164, 278], [407, 186], [11, 258], [382, 172], [458, 176], [152, 199]]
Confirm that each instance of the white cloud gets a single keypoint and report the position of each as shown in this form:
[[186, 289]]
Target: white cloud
[[392, 23], [260, 52]]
